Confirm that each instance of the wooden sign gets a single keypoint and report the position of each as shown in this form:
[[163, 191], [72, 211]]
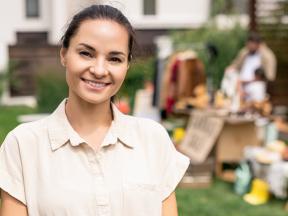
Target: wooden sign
[[201, 134]]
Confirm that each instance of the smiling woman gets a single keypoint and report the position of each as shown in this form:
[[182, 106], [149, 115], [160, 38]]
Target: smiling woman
[[87, 158], [96, 60]]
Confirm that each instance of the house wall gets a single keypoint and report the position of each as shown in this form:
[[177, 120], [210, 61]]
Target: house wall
[[170, 14], [13, 19], [187, 13]]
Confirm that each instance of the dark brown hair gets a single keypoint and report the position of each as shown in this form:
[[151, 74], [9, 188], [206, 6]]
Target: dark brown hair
[[99, 12], [254, 37]]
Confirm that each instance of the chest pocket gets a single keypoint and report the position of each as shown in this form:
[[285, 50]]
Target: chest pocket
[[140, 199]]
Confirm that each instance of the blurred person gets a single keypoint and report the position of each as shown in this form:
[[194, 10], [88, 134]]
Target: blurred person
[[87, 158], [254, 55], [143, 105], [255, 91]]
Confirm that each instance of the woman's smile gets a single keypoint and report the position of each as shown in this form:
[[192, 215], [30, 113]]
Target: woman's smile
[[95, 85]]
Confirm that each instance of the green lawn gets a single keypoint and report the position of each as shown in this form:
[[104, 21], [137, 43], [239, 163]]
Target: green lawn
[[8, 118], [220, 200]]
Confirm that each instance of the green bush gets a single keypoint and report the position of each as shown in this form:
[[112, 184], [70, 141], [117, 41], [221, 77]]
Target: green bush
[[51, 89], [227, 42], [140, 71], [6, 75], [1, 83]]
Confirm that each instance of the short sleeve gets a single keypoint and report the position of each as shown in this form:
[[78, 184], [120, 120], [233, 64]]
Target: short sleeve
[[175, 165], [11, 175]]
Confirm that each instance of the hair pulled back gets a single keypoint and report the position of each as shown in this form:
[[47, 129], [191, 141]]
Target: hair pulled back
[[104, 12]]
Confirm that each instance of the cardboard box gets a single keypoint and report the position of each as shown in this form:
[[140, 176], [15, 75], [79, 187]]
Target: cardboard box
[[236, 134], [233, 138], [201, 135]]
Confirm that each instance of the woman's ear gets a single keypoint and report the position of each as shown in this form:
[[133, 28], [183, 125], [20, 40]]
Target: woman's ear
[[63, 56]]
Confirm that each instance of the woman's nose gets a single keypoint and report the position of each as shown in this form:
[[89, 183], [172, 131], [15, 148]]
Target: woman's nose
[[99, 68]]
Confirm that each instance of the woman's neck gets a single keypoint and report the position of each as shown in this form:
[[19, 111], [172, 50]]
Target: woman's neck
[[86, 117]]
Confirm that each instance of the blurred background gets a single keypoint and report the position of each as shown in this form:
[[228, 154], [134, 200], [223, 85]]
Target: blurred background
[[237, 146]]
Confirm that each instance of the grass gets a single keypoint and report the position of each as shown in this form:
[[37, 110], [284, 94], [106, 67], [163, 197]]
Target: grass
[[8, 118], [220, 200]]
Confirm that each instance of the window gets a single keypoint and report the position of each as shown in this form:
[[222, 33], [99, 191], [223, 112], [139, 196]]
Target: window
[[32, 8], [149, 7]]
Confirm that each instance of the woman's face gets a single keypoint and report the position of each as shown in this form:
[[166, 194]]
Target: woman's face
[[96, 61]]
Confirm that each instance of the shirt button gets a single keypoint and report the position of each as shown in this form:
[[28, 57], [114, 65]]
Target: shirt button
[[102, 201], [95, 169], [101, 186], [98, 156], [94, 161], [104, 210]]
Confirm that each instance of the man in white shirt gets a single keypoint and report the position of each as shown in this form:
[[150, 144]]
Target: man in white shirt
[[255, 55]]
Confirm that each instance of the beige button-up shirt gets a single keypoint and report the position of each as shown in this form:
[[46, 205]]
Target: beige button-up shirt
[[47, 166]]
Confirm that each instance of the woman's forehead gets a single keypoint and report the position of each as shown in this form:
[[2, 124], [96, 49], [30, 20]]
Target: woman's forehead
[[100, 32]]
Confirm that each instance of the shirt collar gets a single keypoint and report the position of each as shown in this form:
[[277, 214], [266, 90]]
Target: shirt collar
[[60, 131], [123, 127]]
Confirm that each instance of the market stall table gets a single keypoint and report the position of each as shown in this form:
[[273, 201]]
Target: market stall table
[[237, 133]]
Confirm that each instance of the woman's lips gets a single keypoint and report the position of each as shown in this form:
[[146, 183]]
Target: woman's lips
[[95, 84]]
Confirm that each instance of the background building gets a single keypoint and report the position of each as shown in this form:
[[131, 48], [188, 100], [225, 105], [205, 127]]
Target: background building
[[31, 31]]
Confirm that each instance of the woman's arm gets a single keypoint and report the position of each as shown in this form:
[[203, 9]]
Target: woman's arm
[[11, 206], [169, 206]]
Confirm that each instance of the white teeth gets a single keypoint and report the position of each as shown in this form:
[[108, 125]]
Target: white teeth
[[95, 84]]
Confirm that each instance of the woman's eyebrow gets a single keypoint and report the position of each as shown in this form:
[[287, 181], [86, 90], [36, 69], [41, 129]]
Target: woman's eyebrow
[[94, 50], [117, 53], [88, 47]]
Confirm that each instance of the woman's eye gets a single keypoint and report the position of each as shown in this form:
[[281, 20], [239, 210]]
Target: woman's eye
[[86, 54], [115, 59]]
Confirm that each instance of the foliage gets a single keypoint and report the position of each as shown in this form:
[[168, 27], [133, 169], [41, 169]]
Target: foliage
[[228, 7], [220, 6], [51, 89], [7, 75], [226, 42], [140, 71], [1, 82], [3, 77]]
